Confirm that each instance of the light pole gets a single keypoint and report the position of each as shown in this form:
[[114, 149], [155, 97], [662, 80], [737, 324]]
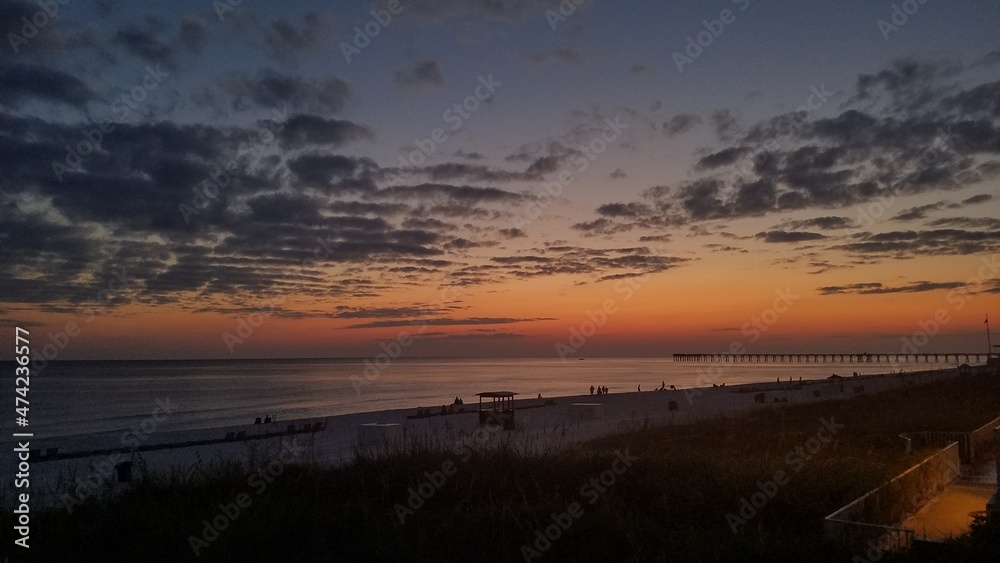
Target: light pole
[[989, 341]]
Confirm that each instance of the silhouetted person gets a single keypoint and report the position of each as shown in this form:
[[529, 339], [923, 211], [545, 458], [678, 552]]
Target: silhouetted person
[[591, 389], [639, 387], [267, 419], [257, 420]]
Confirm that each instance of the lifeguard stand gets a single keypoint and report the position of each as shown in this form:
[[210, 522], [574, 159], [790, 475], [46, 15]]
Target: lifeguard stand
[[499, 411]]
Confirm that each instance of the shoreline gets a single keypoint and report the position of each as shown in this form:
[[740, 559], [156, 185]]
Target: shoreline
[[334, 440]]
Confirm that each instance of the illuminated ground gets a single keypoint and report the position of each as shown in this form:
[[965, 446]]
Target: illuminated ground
[[947, 515]]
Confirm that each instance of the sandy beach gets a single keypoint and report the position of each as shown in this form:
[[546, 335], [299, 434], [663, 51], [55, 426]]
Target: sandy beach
[[78, 465]]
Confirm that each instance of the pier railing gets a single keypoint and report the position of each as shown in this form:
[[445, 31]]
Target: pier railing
[[893, 358]]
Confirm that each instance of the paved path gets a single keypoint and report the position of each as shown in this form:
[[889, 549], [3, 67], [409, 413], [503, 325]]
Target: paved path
[[947, 515]]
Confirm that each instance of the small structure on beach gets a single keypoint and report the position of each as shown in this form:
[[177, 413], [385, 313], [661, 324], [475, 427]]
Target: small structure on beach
[[499, 410]]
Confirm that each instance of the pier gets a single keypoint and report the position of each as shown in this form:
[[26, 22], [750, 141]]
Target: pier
[[864, 358]]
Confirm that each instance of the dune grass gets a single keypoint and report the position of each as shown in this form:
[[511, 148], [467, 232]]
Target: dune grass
[[670, 503]]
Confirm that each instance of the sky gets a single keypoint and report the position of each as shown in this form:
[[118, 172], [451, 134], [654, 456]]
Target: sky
[[426, 178]]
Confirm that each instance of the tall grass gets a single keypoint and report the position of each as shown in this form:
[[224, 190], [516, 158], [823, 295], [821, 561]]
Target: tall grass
[[671, 504]]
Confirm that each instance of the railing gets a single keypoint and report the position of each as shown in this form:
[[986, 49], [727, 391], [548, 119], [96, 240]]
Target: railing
[[969, 443], [871, 517], [860, 535]]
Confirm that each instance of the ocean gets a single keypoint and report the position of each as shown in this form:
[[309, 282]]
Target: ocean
[[71, 398]]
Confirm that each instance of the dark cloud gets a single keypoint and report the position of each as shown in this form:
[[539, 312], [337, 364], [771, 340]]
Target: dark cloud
[[346, 312], [469, 155], [617, 174], [368, 208], [906, 85], [879, 289], [426, 74], [919, 212], [925, 134], [977, 199], [505, 11], [789, 236], [193, 33], [724, 157], [681, 123], [627, 210], [334, 173], [603, 264], [145, 44], [512, 233], [270, 89], [302, 130], [725, 123], [463, 194], [901, 244], [285, 208], [602, 226], [428, 223], [988, 223], [452, 171], [21, 83], [285, 39], [829, 223], [472, 321]]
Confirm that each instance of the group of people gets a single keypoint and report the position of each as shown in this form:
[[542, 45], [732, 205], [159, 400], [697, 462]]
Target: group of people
[[267, 420], [662, 387], [600, 390]]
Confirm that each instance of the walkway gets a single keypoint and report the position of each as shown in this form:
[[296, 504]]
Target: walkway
[[947, 515]]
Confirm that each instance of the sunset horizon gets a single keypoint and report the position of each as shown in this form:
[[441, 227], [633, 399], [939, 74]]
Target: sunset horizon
[[320, 192]]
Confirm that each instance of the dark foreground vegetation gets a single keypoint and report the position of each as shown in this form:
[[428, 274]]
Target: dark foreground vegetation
[[677, 495]]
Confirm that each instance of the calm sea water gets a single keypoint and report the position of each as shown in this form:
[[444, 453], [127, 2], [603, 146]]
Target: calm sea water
[[69, 398]]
